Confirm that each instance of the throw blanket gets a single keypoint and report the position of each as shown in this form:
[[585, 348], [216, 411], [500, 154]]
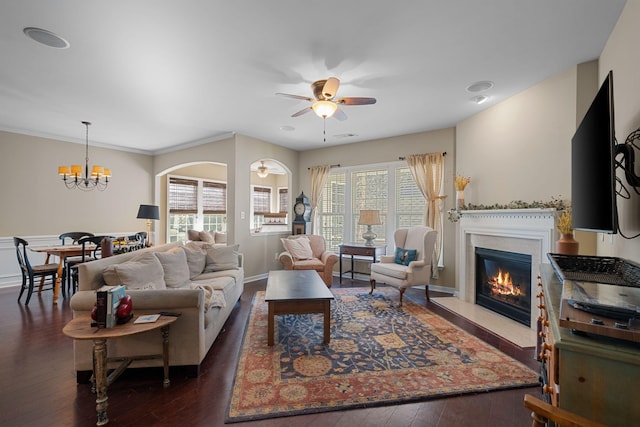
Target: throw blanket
[[212, 297]]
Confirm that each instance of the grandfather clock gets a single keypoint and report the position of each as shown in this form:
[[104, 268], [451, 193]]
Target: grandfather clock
[[302, 212]]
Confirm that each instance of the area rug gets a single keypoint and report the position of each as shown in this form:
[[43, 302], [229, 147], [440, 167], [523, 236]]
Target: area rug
[[379, 354]]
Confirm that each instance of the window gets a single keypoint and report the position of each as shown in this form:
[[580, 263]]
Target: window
[[331, 210], [195, 204], [410, 204], [283, 200], [388, 188], [370, 190], [261, 204]]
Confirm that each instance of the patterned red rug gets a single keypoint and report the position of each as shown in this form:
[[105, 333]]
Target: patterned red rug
[[379, 354]]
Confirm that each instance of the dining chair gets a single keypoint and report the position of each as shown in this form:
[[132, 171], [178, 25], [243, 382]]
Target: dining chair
[[94, 254], [71, 237], [30, 272]]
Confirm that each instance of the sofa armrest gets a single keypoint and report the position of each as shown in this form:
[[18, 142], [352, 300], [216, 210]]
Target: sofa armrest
[[286, 259], [161, 299]]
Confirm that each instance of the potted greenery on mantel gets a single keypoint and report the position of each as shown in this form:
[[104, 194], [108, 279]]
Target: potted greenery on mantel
[[557, 204]]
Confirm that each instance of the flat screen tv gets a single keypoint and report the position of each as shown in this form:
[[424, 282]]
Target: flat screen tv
[[593, 180]]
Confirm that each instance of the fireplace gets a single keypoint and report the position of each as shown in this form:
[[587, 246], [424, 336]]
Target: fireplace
[[503, 283], [523, 231]]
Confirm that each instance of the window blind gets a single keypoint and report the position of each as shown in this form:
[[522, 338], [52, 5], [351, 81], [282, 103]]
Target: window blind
[[183, 196], [214, 197]]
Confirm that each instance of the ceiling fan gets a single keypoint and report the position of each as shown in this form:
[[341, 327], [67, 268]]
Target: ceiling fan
[[324, 104]]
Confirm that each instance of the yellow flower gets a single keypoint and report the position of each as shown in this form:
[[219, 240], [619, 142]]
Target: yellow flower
[[461, 182], [564, 223]]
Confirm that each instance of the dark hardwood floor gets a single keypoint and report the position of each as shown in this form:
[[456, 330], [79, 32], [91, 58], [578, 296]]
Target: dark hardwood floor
[[38, 384]]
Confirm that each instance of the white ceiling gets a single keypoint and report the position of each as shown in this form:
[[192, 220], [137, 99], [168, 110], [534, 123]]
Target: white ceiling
[[155, 74]]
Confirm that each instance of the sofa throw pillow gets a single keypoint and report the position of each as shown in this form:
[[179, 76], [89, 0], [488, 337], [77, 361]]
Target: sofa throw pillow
[[207, 237], [193, 235], [298, 247], [176, 269], [143, 272], [405, 256], [196, 259], [222, 258], [220, 237]]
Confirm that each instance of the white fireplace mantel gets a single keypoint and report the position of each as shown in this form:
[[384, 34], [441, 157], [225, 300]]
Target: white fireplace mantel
[[526, 231]]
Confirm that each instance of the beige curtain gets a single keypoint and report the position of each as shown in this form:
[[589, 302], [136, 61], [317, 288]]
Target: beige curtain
[[319, 175], [427, 170]]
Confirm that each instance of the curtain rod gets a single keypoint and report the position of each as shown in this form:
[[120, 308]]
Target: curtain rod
[[444, 153], [331, 166]]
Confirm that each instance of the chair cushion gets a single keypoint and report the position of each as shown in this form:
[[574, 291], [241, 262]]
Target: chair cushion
[[298, 247], [207, 237], [222, 258], [405, 256], [193, 235], [390, 269]]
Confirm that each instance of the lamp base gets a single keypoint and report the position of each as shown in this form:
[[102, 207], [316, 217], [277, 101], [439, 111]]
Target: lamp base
[[369, 237], [148, 242]]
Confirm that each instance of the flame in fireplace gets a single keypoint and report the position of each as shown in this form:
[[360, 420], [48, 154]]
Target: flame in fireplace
[[501, 284]]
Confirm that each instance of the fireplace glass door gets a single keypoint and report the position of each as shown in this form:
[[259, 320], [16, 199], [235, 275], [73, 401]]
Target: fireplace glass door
[[503, 283]]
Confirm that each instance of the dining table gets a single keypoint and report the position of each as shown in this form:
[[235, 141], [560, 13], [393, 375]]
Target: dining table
[[62, 252]]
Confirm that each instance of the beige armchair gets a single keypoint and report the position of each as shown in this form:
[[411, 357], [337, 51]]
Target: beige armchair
[[420, 239], [318, 258]]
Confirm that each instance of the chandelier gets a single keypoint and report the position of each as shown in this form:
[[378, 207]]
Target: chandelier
[[74, 177]]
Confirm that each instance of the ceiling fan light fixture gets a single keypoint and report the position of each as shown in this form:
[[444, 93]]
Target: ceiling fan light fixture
[[324, 109], [262, 172]]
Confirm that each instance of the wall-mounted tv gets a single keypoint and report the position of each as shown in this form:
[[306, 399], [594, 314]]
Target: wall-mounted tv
[[593, 180]]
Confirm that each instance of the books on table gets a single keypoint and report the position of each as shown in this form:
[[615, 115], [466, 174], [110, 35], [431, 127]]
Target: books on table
[[107, 301]]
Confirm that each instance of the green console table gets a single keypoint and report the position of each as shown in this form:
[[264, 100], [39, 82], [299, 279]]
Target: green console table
[[593, 376]]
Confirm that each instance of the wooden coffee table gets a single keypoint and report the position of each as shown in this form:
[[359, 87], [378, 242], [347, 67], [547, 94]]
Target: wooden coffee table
[[80, 329], [297, 292]]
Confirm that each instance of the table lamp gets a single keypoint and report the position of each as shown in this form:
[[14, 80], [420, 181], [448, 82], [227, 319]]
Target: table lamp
[[369, 218], [148, 212]]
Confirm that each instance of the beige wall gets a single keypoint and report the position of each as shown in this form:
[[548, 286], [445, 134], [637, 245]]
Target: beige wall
[[621, 55], [237, 152], [520, 149], [388, 150], [35, 202], [524, 144]]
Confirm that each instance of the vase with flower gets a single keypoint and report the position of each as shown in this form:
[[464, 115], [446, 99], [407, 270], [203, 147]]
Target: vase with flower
[[460, 184], [566, 244]]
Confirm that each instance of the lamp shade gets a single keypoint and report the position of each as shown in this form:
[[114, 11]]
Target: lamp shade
[[149, 212], [369, 217]]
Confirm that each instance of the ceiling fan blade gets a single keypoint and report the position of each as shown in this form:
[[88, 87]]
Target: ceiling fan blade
[[356, 101], [340, 115], [301, 112], [288, 95], [330, 87]]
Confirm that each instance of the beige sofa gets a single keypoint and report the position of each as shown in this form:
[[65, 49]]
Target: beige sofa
[[203, 282]]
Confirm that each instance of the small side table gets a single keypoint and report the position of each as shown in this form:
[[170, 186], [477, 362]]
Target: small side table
[[80, 329], [360, 249]]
